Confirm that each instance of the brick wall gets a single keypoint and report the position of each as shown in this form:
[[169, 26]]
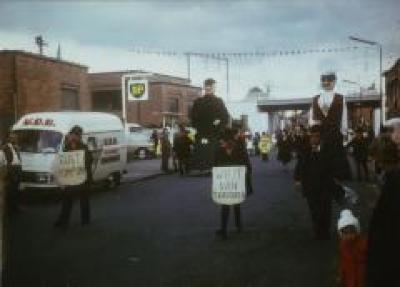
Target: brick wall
[[6, 92], [37, 82], [162, 88]]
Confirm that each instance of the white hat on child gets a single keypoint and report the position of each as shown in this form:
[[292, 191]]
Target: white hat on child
[[348, 219]]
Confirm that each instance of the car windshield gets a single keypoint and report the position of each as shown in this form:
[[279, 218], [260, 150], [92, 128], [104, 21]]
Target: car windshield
[[39, 141]]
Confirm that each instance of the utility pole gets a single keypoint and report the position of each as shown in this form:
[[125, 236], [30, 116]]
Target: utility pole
[[188, 64]]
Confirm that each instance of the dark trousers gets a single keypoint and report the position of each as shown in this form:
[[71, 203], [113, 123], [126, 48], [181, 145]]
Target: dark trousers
[[321, 214], [68, 197], [225, 209], [183, 165], [362, 164], [12, 188], [164, 162]]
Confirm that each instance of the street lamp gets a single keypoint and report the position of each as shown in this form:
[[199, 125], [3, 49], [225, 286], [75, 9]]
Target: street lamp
[[373, 43]]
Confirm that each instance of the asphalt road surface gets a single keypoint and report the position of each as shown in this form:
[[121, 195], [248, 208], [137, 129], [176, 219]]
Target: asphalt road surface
[[162, 233]]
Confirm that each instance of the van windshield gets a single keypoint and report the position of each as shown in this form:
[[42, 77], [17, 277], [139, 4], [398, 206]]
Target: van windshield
[[39, 141]]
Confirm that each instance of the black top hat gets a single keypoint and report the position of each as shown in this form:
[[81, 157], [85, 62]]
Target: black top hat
[[328, 77], [209, 82]]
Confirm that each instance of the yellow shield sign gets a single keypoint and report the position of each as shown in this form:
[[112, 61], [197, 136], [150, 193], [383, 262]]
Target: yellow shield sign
[[138, 90]]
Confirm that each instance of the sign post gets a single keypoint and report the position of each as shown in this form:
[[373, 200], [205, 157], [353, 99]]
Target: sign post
[[135, 87]]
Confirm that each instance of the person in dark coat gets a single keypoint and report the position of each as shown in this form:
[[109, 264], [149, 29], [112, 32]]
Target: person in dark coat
[[383, 254], [74, 143], [232, 152], [284, 149], [182, 149], [209, 116], [165, 151], [359, 146], [256, 142], [317, 184], [13, 173], [154, 139], [329, 110]]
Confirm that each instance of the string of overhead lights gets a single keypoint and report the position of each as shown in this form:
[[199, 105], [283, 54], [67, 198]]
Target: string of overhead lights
[[255, 54]]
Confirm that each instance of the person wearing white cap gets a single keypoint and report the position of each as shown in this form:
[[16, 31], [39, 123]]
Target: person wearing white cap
[[383, 268], [352, 251]]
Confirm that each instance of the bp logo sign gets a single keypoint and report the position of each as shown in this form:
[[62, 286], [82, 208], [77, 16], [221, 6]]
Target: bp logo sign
[[138, 90]]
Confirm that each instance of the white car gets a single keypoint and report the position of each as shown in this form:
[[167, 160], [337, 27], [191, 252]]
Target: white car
[[139, 143]]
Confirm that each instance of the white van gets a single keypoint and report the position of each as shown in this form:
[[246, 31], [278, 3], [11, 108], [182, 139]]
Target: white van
[[41, 136]]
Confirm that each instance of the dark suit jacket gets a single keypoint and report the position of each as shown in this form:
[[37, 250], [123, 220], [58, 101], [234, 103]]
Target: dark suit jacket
[[9, 154]]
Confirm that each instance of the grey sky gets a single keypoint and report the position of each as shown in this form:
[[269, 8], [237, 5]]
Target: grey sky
[[210, 26]]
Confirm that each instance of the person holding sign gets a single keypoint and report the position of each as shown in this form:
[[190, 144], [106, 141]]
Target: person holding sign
[[231, 153], [75, 184]]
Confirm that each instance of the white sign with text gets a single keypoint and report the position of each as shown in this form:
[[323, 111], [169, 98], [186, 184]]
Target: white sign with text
[[71, 168], [229, 184]]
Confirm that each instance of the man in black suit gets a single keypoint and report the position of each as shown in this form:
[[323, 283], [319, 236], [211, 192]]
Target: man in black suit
[[209, 116], [317, 182], [13, 174]]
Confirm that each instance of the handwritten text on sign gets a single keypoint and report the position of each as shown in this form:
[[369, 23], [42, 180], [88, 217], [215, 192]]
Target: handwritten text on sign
[[228, 184], [71, 168]]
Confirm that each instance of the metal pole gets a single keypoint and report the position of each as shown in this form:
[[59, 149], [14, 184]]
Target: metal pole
[[383, 104], [123, 84], [227, 80], [188, 64]]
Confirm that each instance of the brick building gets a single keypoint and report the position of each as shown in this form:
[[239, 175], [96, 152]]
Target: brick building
[[32, 83], [392, 81], [170, 98]]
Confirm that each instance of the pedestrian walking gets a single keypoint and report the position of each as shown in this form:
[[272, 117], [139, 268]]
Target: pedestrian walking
[[318, 185], [182, 149], [232, 152], [13, 174], [384, 228], [154, 138], [256, 142], [264, 146], [165, 150], [359, 150], [284, 149], [70, 192], [352, 251]]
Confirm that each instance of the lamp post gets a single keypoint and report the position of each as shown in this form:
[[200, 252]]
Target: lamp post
[[374, 43]]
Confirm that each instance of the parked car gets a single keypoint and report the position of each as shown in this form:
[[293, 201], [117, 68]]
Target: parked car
[[138, 140]]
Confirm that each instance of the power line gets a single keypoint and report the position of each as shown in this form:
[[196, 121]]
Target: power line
[[217, 55]]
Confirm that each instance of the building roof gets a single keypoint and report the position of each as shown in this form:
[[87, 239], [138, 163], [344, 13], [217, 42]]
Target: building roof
[[110, 79], [395, 66], [272, 105], [42, 57], [154, 77]]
